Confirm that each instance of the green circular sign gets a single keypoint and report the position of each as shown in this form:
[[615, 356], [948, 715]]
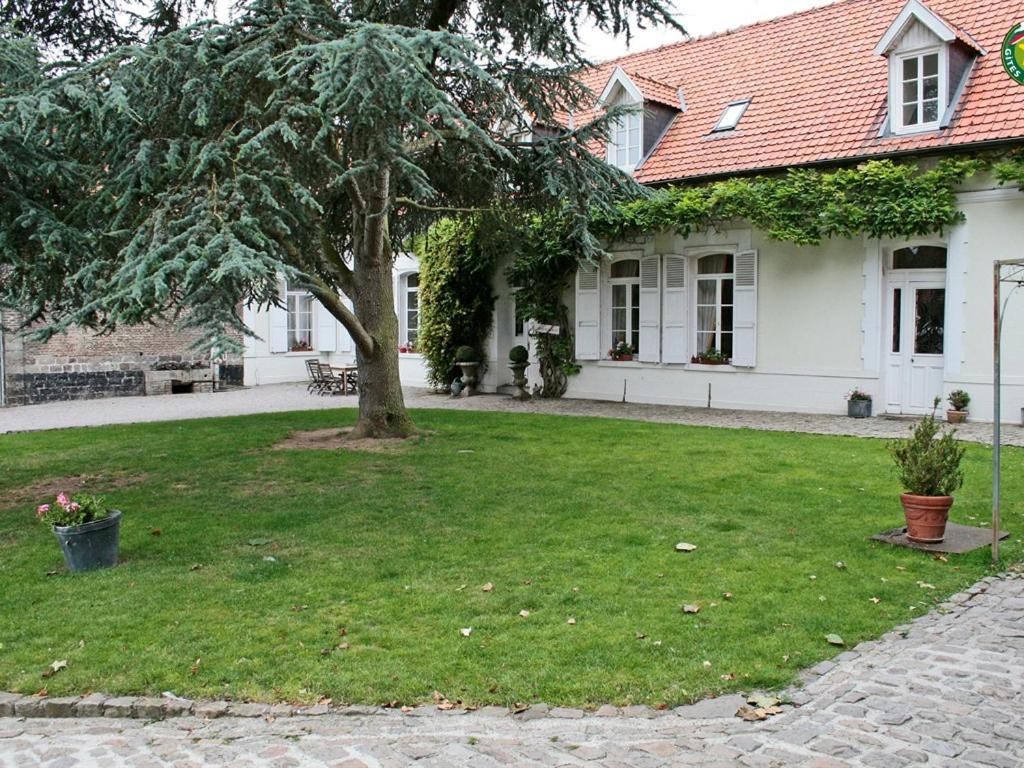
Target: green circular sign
[[1013, 53]]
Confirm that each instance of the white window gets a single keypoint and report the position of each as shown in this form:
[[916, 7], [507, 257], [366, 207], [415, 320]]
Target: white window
[[300, 319], [411, 310], [626, 142], [918, 86], [715, 283], [625, 284], [732, 115]]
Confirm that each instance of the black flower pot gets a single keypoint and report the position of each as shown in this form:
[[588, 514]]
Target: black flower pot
[[858, 409], [92, 545]]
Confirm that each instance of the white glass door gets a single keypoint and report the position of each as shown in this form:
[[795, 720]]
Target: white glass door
[[916, 345]]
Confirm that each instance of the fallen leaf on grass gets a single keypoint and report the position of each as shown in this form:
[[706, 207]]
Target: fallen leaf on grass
[[258, 542], [941, 558], [195, 667], [727, 595], [466, 631], [488, 587], [443, 703], [925, 585], [689, 608], [524, 613], [763, 701], [706, 664], [730, 676], [684, 546], [840, 564], [55, 667], [195, 567], [298, 608], [155, 532], [901, 568], [52, 573], [834, 640], [570, 621], [640, 636], [875, 600]]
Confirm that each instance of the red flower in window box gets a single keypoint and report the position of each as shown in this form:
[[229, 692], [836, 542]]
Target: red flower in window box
[[621, 352]]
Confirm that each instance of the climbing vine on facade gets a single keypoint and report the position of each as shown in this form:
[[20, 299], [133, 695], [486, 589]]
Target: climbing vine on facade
[[456, 293]]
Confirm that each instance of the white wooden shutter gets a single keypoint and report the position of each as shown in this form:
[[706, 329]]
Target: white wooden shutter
[[650, 310], [744, 337], [588, 306], [326, 329], [279, 326], [673, 324], [344, 337]]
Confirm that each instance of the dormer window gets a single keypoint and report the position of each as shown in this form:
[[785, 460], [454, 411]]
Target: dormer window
[[626, 142], [920, 104], [929, 63], [654, 105]]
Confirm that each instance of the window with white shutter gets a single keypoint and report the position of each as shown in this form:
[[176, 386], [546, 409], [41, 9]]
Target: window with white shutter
[[673, 321], [326, 329], [745, 311], [588, 306], [650, 310]]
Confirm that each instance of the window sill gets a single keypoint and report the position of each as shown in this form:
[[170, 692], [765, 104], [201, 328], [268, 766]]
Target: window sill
[[411, 355], [623, 364], [706, 367]]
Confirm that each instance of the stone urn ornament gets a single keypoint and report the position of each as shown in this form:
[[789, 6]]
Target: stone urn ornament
[[469, 363], [928, 463], [519, 361]]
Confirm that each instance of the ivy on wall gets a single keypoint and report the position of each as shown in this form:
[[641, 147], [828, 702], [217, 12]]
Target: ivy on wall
[[456, 295]]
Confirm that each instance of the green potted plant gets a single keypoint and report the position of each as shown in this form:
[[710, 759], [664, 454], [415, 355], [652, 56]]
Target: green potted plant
[[710, 356], [621, 351], [858, 404], [958, 401], [469, 363], [88, 533], [519, 361], [928, 463]]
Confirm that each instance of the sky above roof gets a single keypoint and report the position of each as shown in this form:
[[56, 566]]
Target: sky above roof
[[700, 18]]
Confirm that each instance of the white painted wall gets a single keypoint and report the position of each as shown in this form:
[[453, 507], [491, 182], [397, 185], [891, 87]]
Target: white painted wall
[[261, 366]]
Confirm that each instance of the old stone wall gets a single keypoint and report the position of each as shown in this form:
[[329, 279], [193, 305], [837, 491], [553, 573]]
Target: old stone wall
[[80, 365]]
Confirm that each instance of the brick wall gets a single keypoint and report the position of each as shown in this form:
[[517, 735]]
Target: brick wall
[[80, 365]]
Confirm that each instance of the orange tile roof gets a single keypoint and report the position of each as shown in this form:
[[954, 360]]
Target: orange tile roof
[[818, 92]]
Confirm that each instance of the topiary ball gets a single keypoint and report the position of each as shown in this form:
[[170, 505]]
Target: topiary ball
[[519, 354], [465, 354]]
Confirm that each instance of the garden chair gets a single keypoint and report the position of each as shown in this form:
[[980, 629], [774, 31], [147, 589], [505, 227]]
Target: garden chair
[[333, 384], [316, 382]]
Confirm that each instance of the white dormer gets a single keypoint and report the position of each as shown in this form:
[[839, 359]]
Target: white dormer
[[626, 139], [928, 64]]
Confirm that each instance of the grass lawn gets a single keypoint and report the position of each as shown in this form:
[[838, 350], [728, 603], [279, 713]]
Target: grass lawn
[[244, 566]]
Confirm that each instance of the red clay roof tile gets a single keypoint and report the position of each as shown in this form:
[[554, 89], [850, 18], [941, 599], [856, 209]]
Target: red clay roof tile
[[818, 93]]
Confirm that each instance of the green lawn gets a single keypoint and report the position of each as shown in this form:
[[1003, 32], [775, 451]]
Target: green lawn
[[566, 517]]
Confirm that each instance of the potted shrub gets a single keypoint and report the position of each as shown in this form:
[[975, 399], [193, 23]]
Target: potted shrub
[[958, 400], [519, 361], [928, 463], [710, 357], [469, 363], [858, 404], [88, 532], [621, 351]]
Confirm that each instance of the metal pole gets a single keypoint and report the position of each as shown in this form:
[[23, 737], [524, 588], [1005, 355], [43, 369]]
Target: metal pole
[[996, 409]]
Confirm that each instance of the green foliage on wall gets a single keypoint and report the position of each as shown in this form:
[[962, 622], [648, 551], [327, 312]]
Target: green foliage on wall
[[878, 198], [456, 293]]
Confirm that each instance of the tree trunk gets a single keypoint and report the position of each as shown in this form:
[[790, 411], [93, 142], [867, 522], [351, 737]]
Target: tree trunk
[[381, 404], [382, 411]]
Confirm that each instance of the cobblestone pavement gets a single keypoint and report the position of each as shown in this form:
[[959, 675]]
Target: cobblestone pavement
[[293, 397], [946, 690]]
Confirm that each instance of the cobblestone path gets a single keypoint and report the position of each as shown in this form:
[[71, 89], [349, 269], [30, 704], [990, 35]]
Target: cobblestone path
[[946, 690]]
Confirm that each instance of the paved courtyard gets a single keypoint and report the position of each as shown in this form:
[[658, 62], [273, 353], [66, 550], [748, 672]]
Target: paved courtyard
[[946, 690], [293, 397]]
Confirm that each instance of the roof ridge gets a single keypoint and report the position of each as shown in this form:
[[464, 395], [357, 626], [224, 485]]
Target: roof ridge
[[725, 32]]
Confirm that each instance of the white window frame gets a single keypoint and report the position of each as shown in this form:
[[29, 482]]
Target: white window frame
[[630, 331], [629, 129], [896, 103], [695, 257], [404, 339], [736, 110], [293, 297]]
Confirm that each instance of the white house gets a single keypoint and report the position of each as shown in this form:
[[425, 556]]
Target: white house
[[800, 326]]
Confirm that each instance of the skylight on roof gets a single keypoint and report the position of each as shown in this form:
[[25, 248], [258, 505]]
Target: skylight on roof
[[732, 115]]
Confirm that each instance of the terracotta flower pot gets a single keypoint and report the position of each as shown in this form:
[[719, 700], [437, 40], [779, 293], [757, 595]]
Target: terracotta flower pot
[[956, 417], [926, 517]]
